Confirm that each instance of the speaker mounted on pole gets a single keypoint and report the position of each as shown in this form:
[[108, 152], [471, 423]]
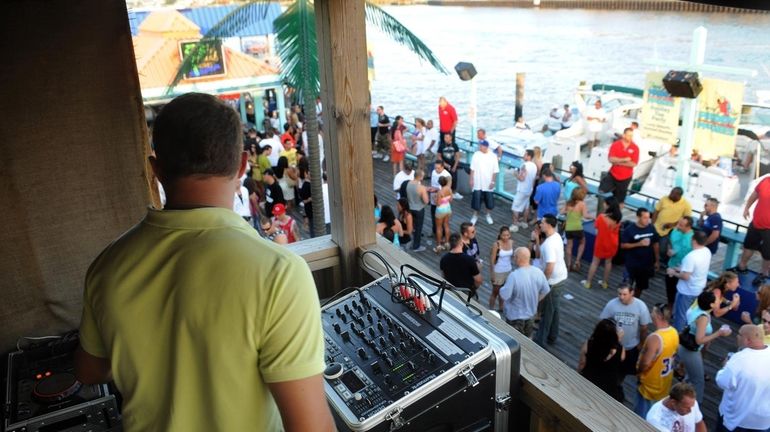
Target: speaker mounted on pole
[[682, 84], [466, 71]]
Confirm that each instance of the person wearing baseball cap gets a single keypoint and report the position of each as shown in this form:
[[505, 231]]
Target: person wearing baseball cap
[[484, 169], [285, 222]]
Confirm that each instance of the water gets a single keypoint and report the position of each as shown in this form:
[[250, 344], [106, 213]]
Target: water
[[556, 48]]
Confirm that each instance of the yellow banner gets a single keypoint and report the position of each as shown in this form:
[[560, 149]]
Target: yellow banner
[[660, 114], [719, 113]]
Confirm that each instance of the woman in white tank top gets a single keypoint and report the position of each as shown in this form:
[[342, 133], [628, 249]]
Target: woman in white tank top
[[501, 265]]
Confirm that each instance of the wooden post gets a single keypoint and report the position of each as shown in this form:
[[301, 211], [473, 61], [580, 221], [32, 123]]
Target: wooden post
[[341, 30], [519, 109]]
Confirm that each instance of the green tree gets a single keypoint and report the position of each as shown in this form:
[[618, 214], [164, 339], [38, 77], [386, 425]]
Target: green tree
[[295, 36]]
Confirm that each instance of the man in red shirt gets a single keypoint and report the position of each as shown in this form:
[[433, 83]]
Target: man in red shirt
[[623, 156], [758, 234], [447, 119]]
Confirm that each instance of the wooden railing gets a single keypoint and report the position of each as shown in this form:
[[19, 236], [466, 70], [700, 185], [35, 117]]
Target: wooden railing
[[552, 396]]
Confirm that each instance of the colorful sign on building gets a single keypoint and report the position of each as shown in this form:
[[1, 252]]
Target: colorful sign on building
[[660, 114], [719, 113]]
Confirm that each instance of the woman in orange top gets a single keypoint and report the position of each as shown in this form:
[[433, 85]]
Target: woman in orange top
[[606, 244], [398, 144]]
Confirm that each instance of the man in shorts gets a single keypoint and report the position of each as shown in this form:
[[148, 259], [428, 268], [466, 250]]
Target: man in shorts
[[623, 156], [758, 234], [525, 177]]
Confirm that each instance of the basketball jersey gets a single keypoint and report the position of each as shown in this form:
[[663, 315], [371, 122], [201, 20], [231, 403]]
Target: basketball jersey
[[655, 384]]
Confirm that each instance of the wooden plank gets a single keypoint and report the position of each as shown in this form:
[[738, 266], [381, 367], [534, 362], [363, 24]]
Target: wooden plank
[[557, 393], [341, 31]]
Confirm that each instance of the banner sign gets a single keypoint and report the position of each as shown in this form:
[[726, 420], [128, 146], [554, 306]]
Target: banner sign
[[207, 58], [660, 114], [719, 113]]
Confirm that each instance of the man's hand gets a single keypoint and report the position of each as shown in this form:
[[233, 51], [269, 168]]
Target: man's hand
[[90, 369], [746, 213]]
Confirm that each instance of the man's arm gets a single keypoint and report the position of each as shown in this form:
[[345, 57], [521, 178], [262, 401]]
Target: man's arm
[[302, 404], [477, 280], [752, 198], [90, 369], [549, 269], [643, 332], [700, 426], [470, 179], [648, 354]]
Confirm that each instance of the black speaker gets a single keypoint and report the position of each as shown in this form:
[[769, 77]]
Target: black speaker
[[682, 84], [465, 71]]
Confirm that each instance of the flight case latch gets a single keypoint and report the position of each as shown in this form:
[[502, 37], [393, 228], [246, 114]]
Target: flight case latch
[[503, 401], [395, 417], [467, 372]]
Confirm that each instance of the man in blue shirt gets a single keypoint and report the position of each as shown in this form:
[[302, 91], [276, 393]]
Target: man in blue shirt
[[642, 253], [711, 224], [547, 195]]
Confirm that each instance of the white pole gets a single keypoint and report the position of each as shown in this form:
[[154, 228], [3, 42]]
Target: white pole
[[690, 111], [474, 122]]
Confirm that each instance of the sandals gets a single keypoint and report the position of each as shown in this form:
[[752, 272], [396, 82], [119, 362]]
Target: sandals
[[438, 249]]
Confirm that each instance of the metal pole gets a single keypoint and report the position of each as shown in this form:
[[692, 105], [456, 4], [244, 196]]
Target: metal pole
[[690, 111], [474, 122], [519, 109]]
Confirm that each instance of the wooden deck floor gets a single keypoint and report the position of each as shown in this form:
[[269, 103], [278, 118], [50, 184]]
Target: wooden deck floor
[[580, 314]]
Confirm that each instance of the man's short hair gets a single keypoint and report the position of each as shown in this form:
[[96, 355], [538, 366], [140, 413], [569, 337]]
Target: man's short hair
[[550, 220], [628, 129], [530, 153], [663, 310], [626, 286], [713, 200], [197, 135], [641, 210], [681, 390], [454, 240], [464, 227], [546, 173], [700, 238]]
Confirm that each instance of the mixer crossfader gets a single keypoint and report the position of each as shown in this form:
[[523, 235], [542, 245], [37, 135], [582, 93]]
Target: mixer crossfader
[[394, 361]]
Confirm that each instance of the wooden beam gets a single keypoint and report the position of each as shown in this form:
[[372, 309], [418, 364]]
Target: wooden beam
[[341, 30], [319, 252], [559, 398]]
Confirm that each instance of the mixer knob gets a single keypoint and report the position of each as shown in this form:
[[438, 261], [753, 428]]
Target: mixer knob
[[389, 361], [333, 370], [394, 352], [344, 318], [355, 304], [411, 365], [338, 311], [369, 317], [403, 346], [347, 308], [382, 341], [413, 340], [431, 358], [336, 327], [362, 353], [345, 336], [380, 327], [378, 311], [371, 343], [353, 327], [388, 380], [401, 331], [371, 331], [365, 302], [389, 320], [376, 368], [392, 336], [368, 402]]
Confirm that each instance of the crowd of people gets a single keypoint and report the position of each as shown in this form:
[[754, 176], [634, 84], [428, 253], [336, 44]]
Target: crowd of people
[[658, 345]]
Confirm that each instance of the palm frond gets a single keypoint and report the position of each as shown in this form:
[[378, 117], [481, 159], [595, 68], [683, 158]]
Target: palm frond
[[235, 21], [298, 47], [402, 35]]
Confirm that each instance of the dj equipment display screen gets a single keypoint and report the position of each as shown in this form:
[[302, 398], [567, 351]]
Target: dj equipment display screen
[[352, 382]]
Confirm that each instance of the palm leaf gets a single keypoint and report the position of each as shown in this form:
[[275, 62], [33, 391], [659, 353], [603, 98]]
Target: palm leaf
[[401, 35], [235, 21], [297, 47]]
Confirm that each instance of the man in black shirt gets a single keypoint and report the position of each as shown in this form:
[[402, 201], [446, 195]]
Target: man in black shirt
[[382, 140], [639, 242], [448, 153], [458, 268], [273, 192]]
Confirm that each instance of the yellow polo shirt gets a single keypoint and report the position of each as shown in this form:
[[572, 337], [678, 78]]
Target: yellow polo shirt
[[197, 314], [670, 212]]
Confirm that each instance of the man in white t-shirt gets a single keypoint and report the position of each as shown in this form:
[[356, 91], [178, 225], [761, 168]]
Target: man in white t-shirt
[[525, 177], [320, 147], [484, 169], [273, 141], [405, 174], [745, 381], [554, 120], [241, 203], [679, 412], [438, 172], [555, 270], [430, 142], [596, 117], [692, 275]]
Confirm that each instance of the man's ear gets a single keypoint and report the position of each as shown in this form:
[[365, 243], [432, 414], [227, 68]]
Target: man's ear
[[244, 164], [155, 167]]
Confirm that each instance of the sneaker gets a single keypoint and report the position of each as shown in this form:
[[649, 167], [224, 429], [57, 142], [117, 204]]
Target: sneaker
[[438, 249], [385, 158], [759, 280], [523, 225], [604, 284], [489, 219], [474, 219], [738, 270], [419, 249], [457, 196], [514, 228], [585, 284], [376, 155]]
